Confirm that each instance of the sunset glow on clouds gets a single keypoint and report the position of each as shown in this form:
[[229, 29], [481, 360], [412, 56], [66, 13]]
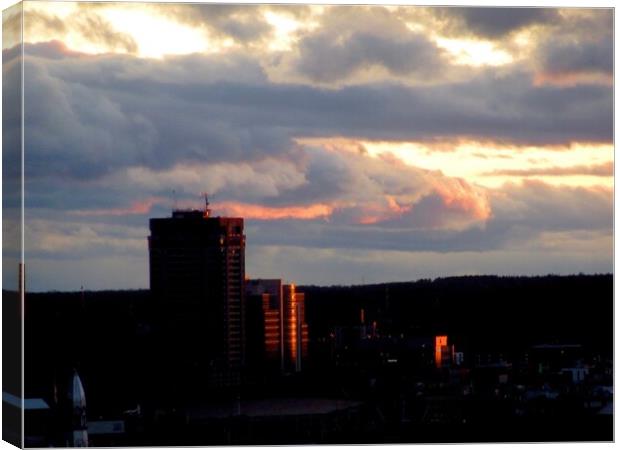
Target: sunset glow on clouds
[[394, 142]]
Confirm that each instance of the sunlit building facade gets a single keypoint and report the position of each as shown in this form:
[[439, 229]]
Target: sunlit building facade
[[277, 329], [443, 353], [264, 324], [295, 329]]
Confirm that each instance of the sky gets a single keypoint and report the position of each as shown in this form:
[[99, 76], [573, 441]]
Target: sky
[[362, 144]]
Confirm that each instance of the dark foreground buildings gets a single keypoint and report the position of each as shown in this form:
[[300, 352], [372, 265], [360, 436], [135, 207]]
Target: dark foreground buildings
[[197, 272]]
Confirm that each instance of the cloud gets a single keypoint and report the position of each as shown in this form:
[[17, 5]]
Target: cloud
[[149, 135], [572, 62], [494, 23], [132, 123], [68, 239], [521, 214], [370, 190], [260, 212], [333, 185], [11, 26], [328, 58], [84, 22], [243, 23], [597, 170], [143, 117], [540, 206], [42, 22], [125, 132], [262, 179], [99, 31], [352, 40], [138, 207], [11, 134]]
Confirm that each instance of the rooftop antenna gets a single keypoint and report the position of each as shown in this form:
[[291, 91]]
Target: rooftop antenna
[[207, 212], [174, 200]]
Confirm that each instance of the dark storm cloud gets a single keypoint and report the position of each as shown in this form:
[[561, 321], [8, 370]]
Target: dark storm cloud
[[495, 22], [570, 57], [133, 123], [118, 111]]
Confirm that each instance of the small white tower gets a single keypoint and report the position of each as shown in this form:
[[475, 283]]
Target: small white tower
[[77, 400]]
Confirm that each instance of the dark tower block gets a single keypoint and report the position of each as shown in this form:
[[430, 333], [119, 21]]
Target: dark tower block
[[197, 272]]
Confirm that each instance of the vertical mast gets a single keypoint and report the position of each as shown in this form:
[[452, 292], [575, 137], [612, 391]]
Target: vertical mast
[[207, 212]]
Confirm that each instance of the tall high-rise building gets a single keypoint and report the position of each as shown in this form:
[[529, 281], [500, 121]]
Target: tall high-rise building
[[197, 273]]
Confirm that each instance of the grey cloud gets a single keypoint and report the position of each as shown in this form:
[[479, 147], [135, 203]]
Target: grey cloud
[[587, 24], [539, 206], [325, 58], [11, 126], [118, 111], [101, 122], [496, 22], [74, 130], [355, 38], [570, 57]]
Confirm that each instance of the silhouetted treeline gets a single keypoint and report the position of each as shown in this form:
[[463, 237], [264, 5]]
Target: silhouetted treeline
[[488, 312], [107, 335]]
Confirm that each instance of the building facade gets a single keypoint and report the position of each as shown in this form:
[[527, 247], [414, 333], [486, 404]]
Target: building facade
[[277, 324], [197, 273], [295, 330]]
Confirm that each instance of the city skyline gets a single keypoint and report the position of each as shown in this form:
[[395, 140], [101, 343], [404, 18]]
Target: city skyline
[[361, 144]]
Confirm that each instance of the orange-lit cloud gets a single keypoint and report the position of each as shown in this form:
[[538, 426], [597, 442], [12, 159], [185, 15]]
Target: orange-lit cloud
[[380, 212], [597, 170], [568, 79], [460, 196], [260, 212]]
